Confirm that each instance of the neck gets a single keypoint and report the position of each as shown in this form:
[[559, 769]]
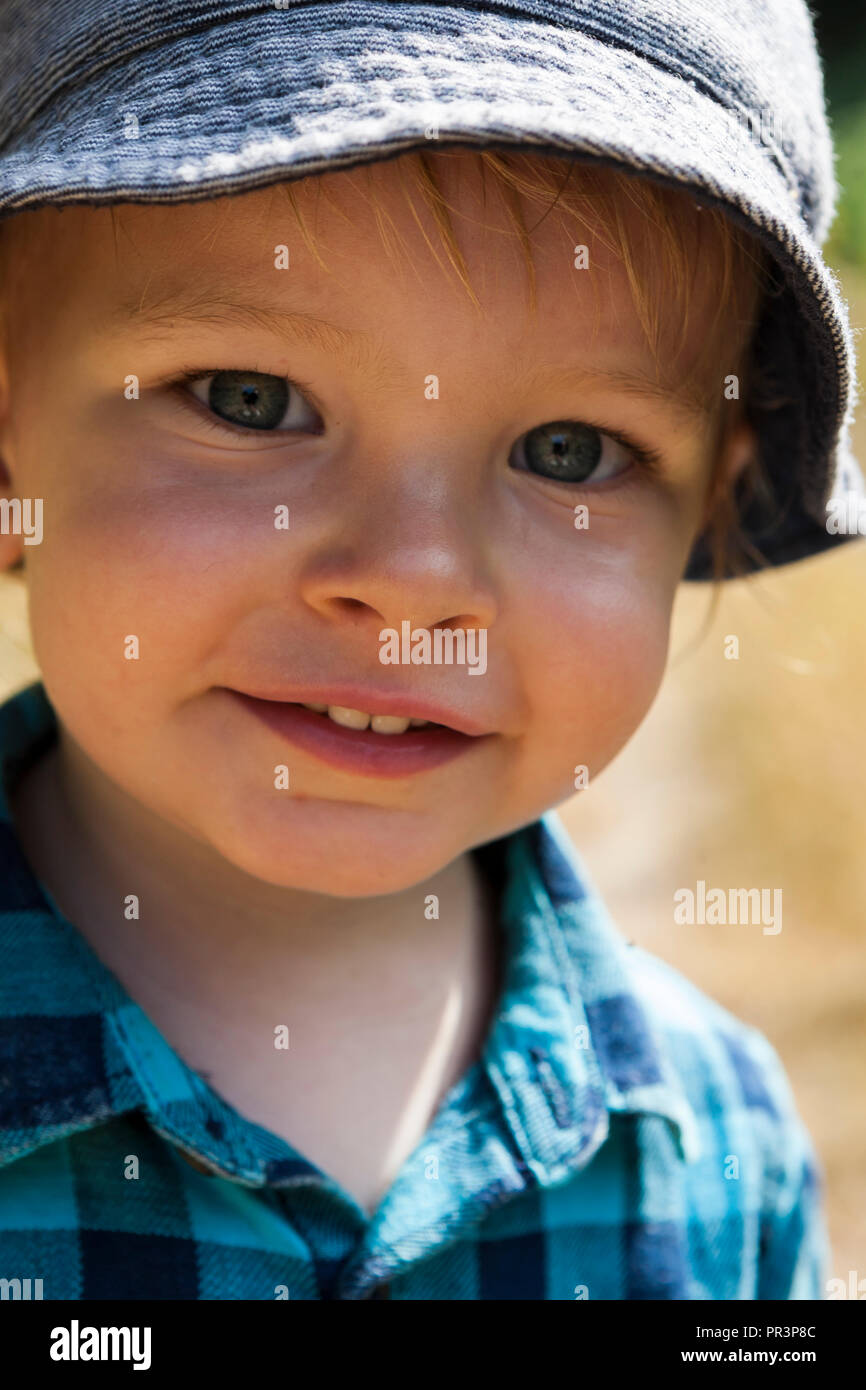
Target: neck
[[202, 921]]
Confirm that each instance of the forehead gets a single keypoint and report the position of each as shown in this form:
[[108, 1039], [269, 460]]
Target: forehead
[[372, 253]]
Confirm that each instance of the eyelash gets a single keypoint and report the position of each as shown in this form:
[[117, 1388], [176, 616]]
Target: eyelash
[[175, 385], [649, 460], [650, 463]]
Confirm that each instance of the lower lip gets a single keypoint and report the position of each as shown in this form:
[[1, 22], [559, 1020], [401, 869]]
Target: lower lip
[[360, 750]]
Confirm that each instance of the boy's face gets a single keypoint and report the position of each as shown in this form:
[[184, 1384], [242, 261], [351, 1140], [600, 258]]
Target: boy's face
[[159, 514]]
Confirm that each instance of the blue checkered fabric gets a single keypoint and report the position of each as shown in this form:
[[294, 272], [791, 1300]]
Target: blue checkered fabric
[[621, 1136]]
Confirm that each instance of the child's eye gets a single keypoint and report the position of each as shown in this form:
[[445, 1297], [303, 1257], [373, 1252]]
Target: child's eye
[[568, 451], [253, 400]]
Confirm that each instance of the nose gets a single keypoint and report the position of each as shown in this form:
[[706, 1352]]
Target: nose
[[408, 545]]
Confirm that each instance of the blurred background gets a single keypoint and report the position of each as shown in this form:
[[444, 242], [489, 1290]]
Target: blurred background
[[750, 773]]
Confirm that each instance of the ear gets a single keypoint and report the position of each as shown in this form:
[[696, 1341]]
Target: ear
[[11, 537], [737, 449]]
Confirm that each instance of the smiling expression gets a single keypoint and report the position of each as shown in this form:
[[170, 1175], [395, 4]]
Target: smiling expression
[[429, 458]]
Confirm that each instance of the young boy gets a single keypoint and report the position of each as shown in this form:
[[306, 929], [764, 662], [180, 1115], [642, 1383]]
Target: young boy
[[366, 497]]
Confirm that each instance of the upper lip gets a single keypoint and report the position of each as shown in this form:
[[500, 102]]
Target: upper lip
[[372, 702]]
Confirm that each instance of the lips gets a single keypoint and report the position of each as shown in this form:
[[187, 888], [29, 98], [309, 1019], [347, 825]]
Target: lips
[[364, 751], [372, 701]]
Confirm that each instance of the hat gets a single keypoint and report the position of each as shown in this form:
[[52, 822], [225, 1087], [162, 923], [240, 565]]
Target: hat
[[113, 101]]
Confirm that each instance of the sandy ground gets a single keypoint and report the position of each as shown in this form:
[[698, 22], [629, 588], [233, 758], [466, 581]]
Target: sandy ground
[[746, 773]]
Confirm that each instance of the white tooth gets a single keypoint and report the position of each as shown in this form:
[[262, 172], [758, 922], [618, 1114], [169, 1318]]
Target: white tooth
[[349, 718], [319, 709], [419, 723], [389, 724]]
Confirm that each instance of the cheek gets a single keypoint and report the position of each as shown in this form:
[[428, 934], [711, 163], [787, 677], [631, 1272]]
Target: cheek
[[595, 662], [161, 565]]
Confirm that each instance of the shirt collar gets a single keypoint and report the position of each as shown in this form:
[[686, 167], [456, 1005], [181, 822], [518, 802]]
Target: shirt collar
[[572, 1027], [570, 1045]]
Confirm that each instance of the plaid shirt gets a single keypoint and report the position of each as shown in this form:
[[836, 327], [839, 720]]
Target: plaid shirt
[[621, 1137]]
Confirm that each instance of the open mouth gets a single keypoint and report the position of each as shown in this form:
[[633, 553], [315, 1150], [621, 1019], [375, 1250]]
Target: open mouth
[[352, 740], [387, 725]]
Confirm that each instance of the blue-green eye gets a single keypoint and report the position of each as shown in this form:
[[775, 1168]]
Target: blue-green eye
[[253, 400], [570, 452]]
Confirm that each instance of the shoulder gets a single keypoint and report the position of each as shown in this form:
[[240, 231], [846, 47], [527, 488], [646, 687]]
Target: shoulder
[[722, 1062], [752, 1134], [757, 1160]]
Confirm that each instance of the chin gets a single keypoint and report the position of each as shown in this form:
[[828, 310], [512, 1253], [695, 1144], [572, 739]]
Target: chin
[[361, 854]]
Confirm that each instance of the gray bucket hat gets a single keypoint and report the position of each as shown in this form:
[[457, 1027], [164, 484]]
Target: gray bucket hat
[[174, 100]]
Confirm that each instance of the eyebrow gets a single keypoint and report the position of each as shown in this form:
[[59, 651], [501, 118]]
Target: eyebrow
[[680, 397], [368, 354], [157, 321]]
